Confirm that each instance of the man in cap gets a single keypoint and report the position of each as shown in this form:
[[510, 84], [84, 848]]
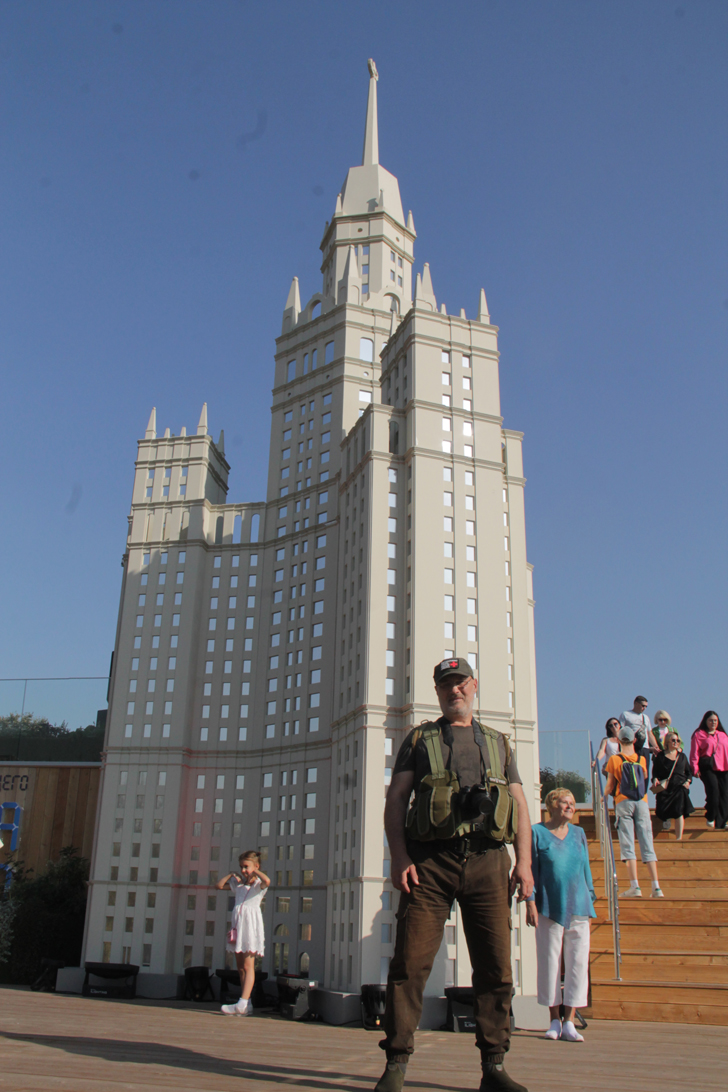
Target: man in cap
[[452, 845], [636, 718], [627, 783]]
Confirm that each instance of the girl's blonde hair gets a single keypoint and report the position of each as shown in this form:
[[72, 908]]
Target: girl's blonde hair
[[249, 855], [663, 713], [557, 794]]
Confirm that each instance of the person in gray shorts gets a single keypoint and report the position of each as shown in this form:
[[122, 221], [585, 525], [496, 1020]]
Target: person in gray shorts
[[627, 783]]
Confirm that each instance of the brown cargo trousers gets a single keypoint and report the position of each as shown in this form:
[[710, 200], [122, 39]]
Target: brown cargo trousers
[[480, 885]]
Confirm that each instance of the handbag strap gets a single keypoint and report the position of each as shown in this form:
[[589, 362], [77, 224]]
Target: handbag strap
[[672, 771]]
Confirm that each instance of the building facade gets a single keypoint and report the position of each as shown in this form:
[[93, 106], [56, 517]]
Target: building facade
[[271, 656]]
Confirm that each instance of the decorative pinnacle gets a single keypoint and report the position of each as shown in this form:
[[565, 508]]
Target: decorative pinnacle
[[370, 155]]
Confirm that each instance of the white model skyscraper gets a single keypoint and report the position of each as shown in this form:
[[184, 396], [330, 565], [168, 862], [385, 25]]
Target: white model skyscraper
[[270, 657]]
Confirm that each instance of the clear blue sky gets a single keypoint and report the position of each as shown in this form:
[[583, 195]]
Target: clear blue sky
[[168, 167]]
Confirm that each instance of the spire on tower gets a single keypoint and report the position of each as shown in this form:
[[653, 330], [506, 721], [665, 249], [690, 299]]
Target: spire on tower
[[202, 424], [424, 292], [293, 307], [151, 433], [483, 315], [370, 155], [350, 284]]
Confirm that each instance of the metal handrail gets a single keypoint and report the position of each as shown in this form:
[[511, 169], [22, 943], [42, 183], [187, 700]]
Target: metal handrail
[[600, 805]]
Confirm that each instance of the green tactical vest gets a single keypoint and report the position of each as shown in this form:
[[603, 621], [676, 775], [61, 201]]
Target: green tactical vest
[[434, 812]]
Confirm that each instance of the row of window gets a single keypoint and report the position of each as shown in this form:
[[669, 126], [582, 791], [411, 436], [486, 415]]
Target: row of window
[[157, 623], [447, 524], [292, 367], [153, 660], [447, 449], [159, 601], [163, 558], [139, 801], [449, 576], [151, 683], [161, 578], [447, 401], [447, 359], [447, 382], [181, 491], [165, 471], [467, 426]]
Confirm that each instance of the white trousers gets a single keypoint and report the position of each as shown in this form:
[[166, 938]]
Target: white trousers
[[551, 938]]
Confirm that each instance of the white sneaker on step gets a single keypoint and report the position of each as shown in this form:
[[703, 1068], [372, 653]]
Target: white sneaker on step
[[570, 1034], [631, 893], [657, 893], [238, 1009], [554, 1031], [710, 823]]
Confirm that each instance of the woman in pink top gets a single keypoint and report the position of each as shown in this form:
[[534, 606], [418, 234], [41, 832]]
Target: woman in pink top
[[709, 760]]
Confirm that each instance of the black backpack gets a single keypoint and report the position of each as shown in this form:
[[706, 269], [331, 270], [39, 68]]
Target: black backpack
[[632, 784]]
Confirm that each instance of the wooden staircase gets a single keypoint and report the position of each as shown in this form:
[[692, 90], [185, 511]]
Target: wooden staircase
[[674, 950]]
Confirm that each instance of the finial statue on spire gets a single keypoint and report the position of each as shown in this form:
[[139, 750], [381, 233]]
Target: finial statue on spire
[[370, 155]]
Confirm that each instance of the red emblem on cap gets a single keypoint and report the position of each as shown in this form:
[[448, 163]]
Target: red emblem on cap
[[454, 663]]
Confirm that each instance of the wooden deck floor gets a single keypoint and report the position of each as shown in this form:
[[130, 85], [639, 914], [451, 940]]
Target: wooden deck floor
[[55, 1042]]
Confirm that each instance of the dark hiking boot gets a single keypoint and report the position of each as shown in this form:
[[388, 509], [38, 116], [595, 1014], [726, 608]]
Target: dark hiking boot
[[392, 1080], [495, 1079]]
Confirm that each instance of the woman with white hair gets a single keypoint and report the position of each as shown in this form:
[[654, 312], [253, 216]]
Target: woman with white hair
[[560, 907], [663, 725]]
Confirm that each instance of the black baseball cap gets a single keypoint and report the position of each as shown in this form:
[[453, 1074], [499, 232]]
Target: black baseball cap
[[457, 666]]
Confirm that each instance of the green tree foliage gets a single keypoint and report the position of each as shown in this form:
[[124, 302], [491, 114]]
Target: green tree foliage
[[564, 779], [45, 916], [34, 739]]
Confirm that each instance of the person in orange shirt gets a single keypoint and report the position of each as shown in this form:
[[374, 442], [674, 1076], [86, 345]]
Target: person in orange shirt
[[627, 783]]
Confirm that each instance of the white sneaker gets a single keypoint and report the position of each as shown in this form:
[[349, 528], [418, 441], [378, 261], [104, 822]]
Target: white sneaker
[[248, 1009], [554, 1031], [657, 893], [710, 823], [239, 1009], [570, 1033], [631, 893]]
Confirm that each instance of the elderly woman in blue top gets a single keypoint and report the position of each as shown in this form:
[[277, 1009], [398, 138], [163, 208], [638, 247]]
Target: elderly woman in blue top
[[560, 907]]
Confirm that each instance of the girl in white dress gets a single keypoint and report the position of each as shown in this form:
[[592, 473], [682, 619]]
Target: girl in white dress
[[246, 937]]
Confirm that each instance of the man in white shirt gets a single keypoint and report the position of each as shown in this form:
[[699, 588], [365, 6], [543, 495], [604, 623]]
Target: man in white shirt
[[636, 719]]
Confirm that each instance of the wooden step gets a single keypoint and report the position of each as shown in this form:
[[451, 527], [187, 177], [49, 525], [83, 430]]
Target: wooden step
[[674, 965], [657, 1011], [677, 993], [697, 850], [687, 957], [677, 868], [661, 970], [647, 938], [662, 912], [690, 838]]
